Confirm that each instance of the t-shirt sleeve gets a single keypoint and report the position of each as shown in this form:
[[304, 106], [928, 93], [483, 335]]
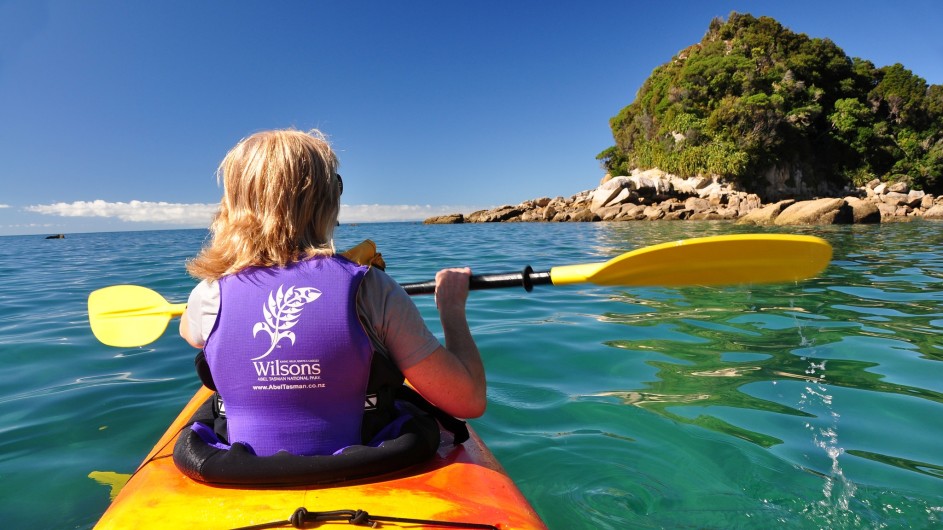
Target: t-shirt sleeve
[[202, 308], [394, 321]]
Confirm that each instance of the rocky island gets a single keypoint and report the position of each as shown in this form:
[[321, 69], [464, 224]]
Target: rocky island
[[757, 124]]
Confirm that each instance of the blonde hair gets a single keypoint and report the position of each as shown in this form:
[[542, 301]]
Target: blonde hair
[[281, 199]]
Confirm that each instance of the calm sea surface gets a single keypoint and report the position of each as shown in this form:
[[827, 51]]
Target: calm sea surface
[[811, 405]]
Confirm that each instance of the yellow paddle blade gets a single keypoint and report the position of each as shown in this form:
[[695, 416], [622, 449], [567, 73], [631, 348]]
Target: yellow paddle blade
[[129, 315], [715, 260]]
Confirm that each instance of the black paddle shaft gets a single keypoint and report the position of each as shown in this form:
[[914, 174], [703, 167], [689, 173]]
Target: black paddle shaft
[[526, 279]]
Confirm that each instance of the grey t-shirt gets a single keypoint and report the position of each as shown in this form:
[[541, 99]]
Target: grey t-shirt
[[390, 318]]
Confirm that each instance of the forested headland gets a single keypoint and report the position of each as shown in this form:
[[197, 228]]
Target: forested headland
[[781, 114], [763, 125]]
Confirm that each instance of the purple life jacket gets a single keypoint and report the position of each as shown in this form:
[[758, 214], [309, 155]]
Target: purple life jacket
[[290, 358]]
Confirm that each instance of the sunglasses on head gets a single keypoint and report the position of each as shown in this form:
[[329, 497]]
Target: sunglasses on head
[[340, 184]]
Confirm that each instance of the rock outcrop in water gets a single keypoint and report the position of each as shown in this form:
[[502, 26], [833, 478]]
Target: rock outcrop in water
[[654, 195]]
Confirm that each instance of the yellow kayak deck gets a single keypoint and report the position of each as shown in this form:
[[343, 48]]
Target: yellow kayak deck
[[463, 483]]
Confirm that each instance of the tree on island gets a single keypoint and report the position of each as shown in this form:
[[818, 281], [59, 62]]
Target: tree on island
[[781, 113]]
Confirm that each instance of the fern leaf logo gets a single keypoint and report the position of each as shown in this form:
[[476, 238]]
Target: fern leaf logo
[[281, 313]]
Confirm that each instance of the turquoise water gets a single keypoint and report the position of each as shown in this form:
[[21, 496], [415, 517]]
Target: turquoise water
[[811, 405]]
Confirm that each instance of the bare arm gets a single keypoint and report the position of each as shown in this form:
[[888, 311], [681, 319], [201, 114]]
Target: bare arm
[[453, 377]]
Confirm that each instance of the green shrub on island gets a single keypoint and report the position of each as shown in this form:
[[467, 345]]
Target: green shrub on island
[[758, 104]]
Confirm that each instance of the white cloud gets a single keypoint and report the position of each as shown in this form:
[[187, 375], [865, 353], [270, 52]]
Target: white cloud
[[133, 211], [200, 215], [4, 205]]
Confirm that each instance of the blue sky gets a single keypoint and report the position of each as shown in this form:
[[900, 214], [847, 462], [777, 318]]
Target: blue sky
[[115, 114]]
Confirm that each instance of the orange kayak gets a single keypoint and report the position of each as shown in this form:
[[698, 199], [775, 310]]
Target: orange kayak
[[461, 484]]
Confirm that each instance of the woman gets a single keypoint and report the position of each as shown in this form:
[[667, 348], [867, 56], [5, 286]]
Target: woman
[[290, 328]]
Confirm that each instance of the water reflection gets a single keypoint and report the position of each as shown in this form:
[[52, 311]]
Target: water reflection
[[868, 327]]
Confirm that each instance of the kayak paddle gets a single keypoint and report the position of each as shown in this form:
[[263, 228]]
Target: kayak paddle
[[714, 260], [130, 315]]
